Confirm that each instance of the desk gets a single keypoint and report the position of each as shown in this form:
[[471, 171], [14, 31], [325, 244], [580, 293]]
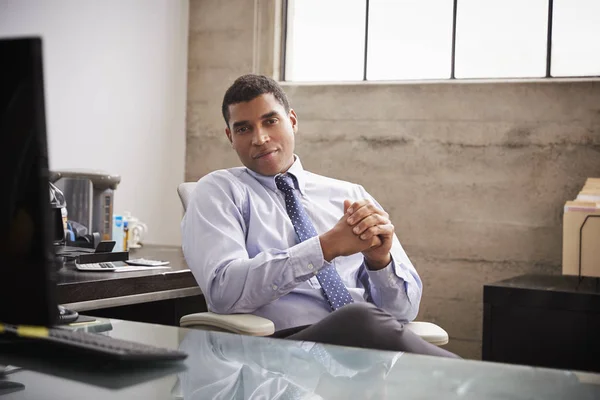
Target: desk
[[544, 320], [156, 296], [227, 366]]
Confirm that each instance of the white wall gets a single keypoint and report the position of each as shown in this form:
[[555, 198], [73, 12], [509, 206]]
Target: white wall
[[115, 79]]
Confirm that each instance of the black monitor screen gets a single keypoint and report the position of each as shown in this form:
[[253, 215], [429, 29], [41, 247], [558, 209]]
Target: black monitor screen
[[27, 285]]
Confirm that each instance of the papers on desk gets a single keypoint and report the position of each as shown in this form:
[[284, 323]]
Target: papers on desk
[[115, 266]]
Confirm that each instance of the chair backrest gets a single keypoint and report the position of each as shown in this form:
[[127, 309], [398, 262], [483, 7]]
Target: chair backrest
[[184, 190]]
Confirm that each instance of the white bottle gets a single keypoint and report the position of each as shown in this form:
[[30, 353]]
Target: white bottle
[[117, 232]]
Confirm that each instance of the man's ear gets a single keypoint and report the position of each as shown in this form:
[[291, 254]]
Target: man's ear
[[294, 120], [228, 133]]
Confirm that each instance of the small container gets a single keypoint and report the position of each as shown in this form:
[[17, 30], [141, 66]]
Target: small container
[[118, 233], [125, 235]]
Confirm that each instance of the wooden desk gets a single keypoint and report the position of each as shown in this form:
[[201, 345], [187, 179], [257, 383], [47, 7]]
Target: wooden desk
[[153, 296], [543, 320]]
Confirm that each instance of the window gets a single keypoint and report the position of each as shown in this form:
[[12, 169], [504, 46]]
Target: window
[[575, 33], [409, 39], [382, 40], [327, 40], [505, 38]]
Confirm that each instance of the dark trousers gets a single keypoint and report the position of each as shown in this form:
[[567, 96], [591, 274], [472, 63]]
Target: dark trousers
[[364, 325]]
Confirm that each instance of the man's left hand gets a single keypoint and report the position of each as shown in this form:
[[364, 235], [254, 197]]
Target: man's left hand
[[367, 221]]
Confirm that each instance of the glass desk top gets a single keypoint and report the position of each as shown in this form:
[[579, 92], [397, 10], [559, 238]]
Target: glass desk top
[[228, 366]]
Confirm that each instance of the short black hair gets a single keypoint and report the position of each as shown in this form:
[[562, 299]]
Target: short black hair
[[250, 86]]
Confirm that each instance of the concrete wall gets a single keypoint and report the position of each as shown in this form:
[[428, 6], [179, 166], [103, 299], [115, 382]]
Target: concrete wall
[[473, 174], [220, 49], [226, 40]]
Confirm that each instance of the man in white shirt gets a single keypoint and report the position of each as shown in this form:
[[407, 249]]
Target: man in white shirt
[[316, 255]]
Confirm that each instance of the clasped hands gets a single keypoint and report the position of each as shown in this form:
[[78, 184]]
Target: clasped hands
[[363, 228]]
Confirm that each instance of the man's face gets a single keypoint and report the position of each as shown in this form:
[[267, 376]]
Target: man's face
[[262, 134]]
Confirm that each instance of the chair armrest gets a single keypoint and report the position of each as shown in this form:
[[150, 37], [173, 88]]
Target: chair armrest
[[244, 324], [429, 332]]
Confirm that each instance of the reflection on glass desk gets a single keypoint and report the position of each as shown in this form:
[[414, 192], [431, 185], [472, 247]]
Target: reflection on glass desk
[[227, 366]]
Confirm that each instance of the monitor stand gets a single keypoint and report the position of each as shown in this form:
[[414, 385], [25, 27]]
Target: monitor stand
[[7, 387]]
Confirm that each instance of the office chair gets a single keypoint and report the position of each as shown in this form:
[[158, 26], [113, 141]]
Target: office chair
[[248, 324]]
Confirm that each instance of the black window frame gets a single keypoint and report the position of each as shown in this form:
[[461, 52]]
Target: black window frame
[[283, 52]]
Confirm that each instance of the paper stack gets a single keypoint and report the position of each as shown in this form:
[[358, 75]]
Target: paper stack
[[581, 232]]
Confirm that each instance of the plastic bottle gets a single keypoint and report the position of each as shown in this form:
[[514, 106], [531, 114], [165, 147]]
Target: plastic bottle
[[117, 232]]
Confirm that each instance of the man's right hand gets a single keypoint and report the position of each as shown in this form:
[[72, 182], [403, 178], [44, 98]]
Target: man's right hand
[[341, 241]]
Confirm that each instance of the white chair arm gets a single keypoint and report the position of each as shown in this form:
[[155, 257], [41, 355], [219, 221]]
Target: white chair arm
[[429, 332], [244, 324], [252, 325]]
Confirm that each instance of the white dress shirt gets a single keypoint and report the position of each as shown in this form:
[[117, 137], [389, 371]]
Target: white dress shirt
[[241, 247]]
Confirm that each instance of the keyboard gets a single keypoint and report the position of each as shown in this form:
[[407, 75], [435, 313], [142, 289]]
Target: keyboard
[[101, 345], [116, 348]]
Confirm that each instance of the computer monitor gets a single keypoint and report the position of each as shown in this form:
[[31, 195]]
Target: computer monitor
[[27, 283]]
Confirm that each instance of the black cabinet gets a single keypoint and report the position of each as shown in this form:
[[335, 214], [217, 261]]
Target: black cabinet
[[543, 320]]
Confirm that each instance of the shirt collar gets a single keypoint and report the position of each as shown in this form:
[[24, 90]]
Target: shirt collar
[[296, 170]]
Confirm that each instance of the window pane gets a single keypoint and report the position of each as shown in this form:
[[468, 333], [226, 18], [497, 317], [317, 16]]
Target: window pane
[[325, 40], [575, 34], [410, 39], [501, 39]]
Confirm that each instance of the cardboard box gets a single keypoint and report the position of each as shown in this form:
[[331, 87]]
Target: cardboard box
[[581, 239]]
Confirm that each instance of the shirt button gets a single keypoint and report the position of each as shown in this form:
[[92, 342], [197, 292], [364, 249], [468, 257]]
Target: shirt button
[[274, 287], [310, 266]]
